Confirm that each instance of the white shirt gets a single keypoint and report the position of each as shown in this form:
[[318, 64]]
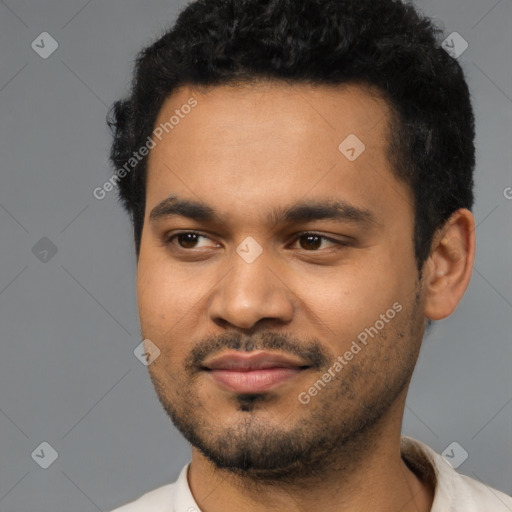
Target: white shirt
[[453, 492]]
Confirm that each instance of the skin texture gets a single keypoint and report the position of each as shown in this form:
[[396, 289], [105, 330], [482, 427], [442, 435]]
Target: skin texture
[[245, 151]]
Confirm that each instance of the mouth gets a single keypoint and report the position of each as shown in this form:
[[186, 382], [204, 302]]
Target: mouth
[[254, 372]]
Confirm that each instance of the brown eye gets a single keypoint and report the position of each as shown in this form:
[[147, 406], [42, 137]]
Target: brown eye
[[310, 242], [313, 241], [186, 239]]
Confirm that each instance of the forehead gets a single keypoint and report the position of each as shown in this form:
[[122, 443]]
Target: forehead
[[263, 144], [275, 107]]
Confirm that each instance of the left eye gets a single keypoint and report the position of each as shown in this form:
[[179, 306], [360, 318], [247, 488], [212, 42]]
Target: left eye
[[313, 241], [309, 241]]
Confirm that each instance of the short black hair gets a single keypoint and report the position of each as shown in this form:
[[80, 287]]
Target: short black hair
[[387, 45]]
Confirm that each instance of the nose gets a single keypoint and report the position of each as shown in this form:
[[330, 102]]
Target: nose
[[250, 292]]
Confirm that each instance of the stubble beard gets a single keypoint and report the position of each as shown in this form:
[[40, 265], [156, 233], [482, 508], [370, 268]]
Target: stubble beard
[[335, 431]]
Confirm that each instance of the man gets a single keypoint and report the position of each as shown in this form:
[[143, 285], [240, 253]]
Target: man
[[299, 177]]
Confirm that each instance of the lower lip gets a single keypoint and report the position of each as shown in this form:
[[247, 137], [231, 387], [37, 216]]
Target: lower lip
[[253, 381]]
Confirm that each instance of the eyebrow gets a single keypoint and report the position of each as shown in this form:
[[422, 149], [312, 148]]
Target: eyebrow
[[304, 211]]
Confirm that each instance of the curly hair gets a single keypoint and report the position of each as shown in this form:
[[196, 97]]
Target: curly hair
[[385, 44]]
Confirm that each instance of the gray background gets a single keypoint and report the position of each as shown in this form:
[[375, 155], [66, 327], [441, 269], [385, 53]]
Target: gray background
[[69, 325]]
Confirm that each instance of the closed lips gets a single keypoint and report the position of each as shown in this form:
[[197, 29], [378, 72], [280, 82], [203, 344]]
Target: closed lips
[[248, 362]]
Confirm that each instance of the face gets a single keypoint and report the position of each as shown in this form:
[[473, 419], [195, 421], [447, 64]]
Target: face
[[275, 229]]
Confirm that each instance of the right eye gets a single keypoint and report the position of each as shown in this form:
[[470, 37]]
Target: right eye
[[185, 239]]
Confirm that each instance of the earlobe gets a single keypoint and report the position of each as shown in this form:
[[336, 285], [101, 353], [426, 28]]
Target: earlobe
[[448, 269]]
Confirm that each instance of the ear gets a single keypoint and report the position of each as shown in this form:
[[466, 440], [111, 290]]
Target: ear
[[447, 271]]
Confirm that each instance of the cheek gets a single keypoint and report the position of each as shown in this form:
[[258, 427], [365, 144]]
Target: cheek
[[162, 317], [352, 297], [171, 302], [162, 295]]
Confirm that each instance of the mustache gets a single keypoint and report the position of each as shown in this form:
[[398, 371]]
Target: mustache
[[311, 351]]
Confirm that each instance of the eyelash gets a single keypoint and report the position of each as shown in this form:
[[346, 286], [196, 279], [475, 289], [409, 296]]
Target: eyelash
[[169, 240]]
